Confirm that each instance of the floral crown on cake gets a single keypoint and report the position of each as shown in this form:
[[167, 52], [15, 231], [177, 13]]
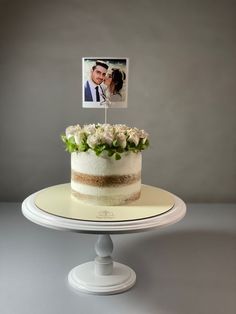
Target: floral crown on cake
[[113, 139]]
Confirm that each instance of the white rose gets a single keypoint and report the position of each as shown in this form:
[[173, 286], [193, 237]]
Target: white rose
[[108, 128], [108, 138], [90, 128], [93, 140], [79, 136], [121, 140], [71, 130], [133, 138], [121, 128], [143, 134]]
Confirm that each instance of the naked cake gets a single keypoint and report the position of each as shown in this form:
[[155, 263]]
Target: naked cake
[[106, 162]]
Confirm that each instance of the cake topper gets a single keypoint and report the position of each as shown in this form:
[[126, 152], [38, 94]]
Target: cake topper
[[105, 83]]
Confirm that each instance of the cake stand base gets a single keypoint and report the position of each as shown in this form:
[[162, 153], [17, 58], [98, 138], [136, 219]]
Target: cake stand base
[[84, 278], [102, 276]]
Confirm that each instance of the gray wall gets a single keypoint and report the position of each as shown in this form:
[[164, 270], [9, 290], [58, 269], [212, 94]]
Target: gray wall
[[182, 89]]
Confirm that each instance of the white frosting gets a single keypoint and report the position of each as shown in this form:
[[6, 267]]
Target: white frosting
[[89, 163], [106, 191]]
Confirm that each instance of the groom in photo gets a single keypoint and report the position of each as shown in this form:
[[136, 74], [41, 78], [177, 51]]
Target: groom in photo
[[93, 89]]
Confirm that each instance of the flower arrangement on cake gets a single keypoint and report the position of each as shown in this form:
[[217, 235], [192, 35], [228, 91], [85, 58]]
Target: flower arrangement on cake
[[113, 139], [106, 162]]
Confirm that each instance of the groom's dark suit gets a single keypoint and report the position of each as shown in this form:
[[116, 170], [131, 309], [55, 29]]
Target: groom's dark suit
[[87, 92]]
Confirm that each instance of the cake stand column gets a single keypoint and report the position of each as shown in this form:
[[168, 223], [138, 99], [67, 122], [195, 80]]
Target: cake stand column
[[102, 276], [103, 261]]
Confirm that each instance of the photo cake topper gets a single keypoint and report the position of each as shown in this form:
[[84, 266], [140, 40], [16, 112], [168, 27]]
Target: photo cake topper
[[105, 82]]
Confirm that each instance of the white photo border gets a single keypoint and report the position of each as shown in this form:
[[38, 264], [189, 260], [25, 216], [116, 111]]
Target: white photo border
[[111, 62]]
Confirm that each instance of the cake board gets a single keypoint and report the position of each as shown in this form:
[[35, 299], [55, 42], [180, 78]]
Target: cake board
[[53, 209]]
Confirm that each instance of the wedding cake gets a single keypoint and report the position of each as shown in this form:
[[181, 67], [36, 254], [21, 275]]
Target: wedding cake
[[106, 162]]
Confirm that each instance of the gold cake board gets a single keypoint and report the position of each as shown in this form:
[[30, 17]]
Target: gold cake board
[[57, 200]]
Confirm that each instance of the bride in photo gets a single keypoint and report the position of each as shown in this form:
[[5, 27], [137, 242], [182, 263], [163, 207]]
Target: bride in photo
[[114, 82]]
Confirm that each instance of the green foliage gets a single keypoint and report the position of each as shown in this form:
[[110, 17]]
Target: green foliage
[[71, 146], [117, 156], [112, 150]]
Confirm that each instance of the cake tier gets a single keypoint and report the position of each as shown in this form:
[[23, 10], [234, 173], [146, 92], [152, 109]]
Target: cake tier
[[105, 181]]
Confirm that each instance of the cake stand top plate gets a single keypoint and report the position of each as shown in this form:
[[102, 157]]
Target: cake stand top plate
[[57, 200], [54, 207]]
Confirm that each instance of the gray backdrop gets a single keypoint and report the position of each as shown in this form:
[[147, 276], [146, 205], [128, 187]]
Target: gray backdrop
[[181, 90]]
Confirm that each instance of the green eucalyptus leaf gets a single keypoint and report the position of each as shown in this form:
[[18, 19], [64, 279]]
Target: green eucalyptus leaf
[[110, 153]]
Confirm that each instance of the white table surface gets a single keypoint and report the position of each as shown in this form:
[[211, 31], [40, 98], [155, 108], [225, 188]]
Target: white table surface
[[191, 270]]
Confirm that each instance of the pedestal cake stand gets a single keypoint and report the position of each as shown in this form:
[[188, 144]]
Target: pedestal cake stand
[[56, 208]]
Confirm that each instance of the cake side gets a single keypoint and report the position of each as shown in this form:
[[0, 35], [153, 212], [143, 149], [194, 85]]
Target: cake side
[[106, 162], [104, 180], [89, 163]]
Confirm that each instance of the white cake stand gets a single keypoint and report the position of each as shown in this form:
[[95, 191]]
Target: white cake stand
[[55, 208]]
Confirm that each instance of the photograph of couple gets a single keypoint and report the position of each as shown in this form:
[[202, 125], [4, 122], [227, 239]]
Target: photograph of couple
[[105, 82]]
